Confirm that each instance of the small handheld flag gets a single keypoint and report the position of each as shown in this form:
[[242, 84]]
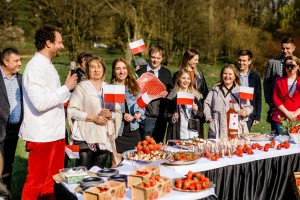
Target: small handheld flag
[[184, 98], [137, 46], [246, 92], [114, 93]]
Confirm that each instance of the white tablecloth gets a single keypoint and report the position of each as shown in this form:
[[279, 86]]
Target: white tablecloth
[[202, 164], [127, 168]]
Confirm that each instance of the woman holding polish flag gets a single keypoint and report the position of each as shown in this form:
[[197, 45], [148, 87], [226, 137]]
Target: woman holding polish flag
[[92, 121], [217, 103], [128, 134], [183, 104]]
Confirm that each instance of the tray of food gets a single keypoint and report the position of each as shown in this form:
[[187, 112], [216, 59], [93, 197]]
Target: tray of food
[[157, 157], [260, 136], [187, 144], [183, 158], [193, 182]]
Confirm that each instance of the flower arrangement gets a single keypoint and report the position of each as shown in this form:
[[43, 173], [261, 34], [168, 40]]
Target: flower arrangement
[[286, 124]]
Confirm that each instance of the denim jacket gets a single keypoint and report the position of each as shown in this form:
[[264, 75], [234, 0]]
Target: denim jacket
[[133, 107]]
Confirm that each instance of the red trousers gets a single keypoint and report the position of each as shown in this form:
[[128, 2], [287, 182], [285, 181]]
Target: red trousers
[[44, 160]]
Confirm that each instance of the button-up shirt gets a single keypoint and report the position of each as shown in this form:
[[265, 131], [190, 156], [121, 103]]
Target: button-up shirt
[[244, 79], [14, 97], [154, 71]]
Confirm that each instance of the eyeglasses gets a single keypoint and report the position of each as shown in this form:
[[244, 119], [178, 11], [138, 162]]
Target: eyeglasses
[[290, 66]]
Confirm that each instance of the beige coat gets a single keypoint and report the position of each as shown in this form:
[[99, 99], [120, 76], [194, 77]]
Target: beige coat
[[216, 107], [85, 99]]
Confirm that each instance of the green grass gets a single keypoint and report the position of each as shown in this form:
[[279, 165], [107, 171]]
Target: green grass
[[211, 74]]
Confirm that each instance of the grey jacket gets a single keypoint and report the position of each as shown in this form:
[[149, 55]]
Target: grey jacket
[[272, 72], [5, 107], [216, 107]]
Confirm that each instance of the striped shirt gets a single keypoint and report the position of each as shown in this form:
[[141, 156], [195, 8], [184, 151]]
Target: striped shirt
[[14, 97]]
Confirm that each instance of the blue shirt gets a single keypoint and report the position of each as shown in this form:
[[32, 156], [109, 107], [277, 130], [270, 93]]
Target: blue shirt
[[14, 97], [244, 79], [154, 71]]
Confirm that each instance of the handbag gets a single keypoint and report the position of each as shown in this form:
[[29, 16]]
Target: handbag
[[270, 114], [194, 124]]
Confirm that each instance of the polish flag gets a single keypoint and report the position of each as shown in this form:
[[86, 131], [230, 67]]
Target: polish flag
[[137, 46], [246, 92], [72, 151], [114, 93], [184, 98], [144, 100]]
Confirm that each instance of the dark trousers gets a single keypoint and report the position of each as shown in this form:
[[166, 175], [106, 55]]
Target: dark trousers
[[8, 150], [89, 158], [249, 124], [147, 127]]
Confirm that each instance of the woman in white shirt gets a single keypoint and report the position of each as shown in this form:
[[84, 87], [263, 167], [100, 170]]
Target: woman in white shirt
[[92, 125]]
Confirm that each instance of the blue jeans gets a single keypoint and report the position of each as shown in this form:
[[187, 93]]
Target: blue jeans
[[277, 127]]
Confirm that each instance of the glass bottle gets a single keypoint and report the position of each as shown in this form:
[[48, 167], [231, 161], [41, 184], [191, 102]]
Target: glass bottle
[[232, 121]]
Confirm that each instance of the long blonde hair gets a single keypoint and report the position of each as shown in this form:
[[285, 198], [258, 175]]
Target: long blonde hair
[[190, 87]]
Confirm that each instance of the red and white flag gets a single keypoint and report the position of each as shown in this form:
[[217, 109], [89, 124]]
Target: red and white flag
[[144, 100], [184, 98], [72, 151], [137, 46], [246, 92], [114, 93]]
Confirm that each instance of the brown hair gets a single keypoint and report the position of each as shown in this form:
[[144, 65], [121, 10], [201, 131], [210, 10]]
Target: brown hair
[[293, 58], [157, 48], [235, 71], [187, 56], [88, 64], [130, 81]]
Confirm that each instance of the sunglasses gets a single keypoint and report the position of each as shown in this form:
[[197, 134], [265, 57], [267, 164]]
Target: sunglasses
[[290, 66]]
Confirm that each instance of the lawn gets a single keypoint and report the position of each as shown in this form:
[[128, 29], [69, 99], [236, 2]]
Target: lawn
[[211, 74]]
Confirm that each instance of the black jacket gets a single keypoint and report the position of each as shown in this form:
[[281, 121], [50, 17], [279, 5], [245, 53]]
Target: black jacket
[[254, 81], [5, 107], [157, 107]]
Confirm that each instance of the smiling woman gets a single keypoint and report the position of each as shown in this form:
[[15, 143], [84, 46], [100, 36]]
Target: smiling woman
[[286, 94]]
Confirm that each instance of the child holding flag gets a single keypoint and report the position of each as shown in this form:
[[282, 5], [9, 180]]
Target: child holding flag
[[184, 105]]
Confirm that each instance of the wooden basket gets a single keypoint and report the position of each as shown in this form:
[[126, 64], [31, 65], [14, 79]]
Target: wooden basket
[[295, 186]]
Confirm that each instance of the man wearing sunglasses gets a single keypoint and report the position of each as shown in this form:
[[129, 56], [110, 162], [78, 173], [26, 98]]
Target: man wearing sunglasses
[[275, 69]]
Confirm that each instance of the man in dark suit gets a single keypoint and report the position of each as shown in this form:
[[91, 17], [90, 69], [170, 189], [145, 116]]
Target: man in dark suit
[[250, 78], [11, 112], [274, 70], [155, 124]]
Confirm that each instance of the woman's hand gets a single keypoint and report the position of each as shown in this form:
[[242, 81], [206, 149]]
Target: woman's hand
[[243, 113], [128, 117], [175, 117], [195, 108], [291, 115], [137, 115], [105, 113], [100, 120]]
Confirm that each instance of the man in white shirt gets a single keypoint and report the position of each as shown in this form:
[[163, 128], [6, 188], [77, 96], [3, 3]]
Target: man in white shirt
[[43, 126]]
